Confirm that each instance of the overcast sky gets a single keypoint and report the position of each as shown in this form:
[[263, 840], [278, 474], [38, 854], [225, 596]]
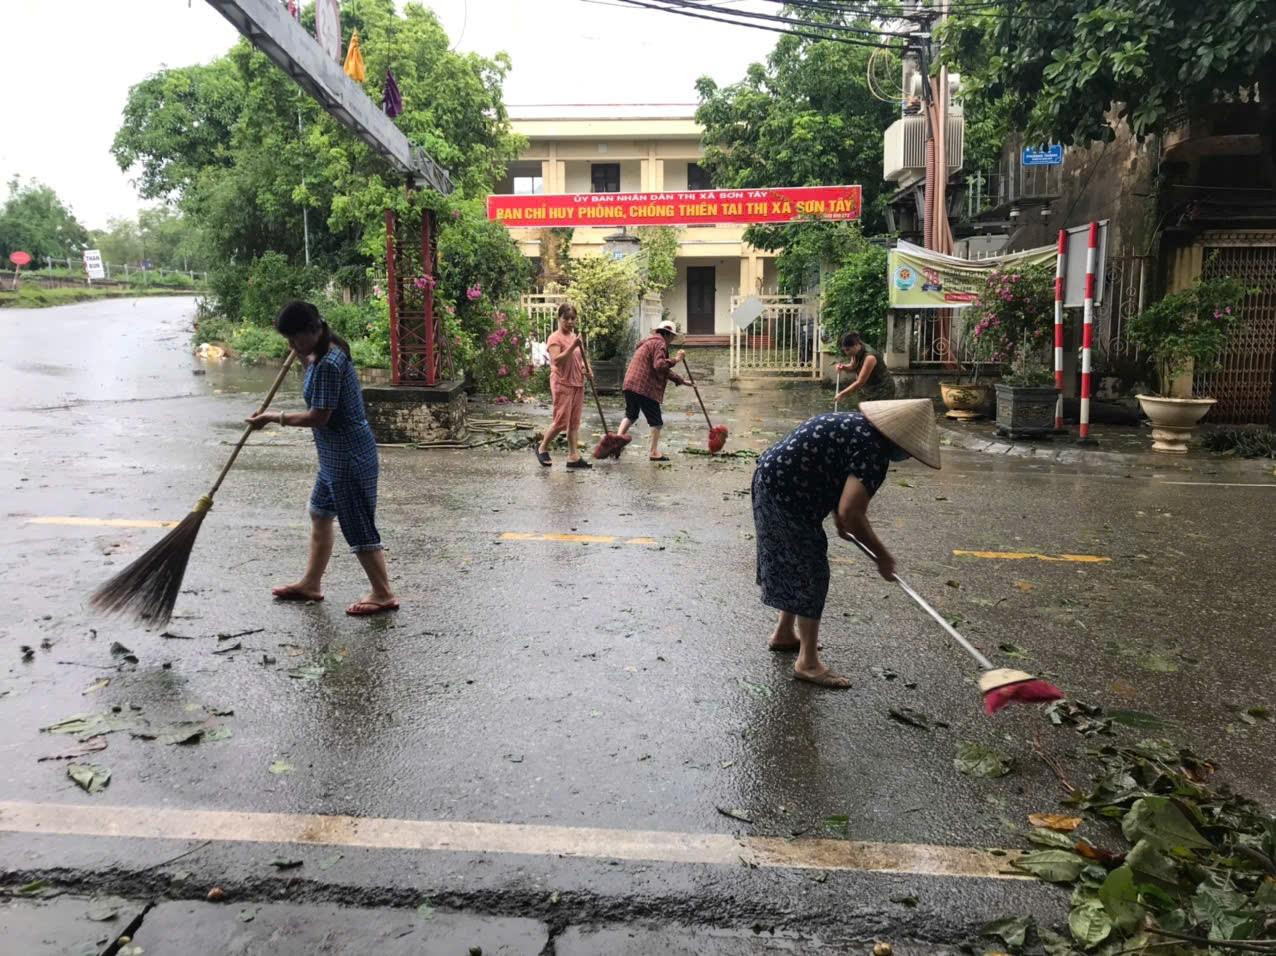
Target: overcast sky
[[68, 64]]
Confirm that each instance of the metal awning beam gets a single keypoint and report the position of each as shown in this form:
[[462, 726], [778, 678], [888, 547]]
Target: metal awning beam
[[267, 25]]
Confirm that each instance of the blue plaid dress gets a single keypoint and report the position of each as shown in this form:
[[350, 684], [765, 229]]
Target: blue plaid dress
[[798, 482], [346, 487]]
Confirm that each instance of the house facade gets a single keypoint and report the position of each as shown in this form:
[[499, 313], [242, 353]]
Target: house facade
[[574, 155]]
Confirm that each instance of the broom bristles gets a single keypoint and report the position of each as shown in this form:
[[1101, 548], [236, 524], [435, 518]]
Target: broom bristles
[[148, 588], [717, 438], [1032, 691]]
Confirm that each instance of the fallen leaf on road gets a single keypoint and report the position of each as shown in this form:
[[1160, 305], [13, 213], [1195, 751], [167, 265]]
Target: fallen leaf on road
[[118, 649], [90, 746], [328, 862], [1025, 586], [308, 672], [85, 726], [219, 733], [760, 690], [251, 630], [105, 908], [1011, 930], [100, 684], [281, 766], [34, 888], [1054, 866], [1091, 852], [914, 718], [281, 864], [1136, 719], [1012, 650], [904, 483], [237, 646], [183, 735], [1050, 839], [838, 825], [89, 776], [1054, 821], [907, 901], [735, 814], [425, 910], [976, 760], [952, 583], [248, 914]]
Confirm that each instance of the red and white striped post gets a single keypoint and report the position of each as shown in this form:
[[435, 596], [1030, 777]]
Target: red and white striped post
[[1087, 332], [1058, 328]]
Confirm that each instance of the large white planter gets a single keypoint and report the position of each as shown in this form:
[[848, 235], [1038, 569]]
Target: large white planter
[[1173, 420]]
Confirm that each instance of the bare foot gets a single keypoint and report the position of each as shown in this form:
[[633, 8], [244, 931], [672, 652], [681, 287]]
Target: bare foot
[[824, 678], [296, 592]]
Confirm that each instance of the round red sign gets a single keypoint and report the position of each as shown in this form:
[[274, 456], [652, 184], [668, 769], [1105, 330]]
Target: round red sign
[[20, 258]]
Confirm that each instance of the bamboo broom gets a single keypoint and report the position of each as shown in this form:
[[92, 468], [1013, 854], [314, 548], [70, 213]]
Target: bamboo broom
[[148, 588]]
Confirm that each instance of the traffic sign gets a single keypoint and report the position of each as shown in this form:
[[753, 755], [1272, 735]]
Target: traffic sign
[[20, 258], [1051, 155], [93, 264]]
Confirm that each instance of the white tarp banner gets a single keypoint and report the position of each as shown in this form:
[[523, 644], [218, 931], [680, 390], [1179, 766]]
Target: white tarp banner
[[328, 27]]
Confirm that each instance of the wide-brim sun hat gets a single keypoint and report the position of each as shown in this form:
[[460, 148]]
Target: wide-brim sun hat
[[668, 327], [908, 423]]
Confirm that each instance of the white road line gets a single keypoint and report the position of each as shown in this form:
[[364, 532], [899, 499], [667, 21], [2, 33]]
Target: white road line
[[1221, 484], [232, 826]]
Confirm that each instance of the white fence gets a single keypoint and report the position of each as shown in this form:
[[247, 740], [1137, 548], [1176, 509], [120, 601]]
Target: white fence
[[542, 311], [783, 341]]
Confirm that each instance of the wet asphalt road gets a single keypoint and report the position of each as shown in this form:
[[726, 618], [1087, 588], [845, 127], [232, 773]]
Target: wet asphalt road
[[575, 685]]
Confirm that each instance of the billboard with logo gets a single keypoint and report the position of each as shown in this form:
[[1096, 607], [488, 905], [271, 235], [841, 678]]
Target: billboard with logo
[[921, 279]]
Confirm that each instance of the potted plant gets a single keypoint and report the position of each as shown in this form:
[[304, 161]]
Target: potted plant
[[967, 398], [1013, 312], [1184, 333], [1026, 397]]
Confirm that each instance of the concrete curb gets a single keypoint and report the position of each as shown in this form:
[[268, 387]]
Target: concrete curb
[[1066, 453]]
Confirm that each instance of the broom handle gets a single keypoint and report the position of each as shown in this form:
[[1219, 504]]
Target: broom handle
[[838, 390], [248, 430], [925, 606], [589, 378], [692, 379]]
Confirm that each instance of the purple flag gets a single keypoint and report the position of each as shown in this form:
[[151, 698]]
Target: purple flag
[[391, 100]]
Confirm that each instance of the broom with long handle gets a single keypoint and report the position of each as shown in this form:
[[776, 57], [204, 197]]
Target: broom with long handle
[[998, 685], [837, 389], [611, 444], [717, 433], [148, 587]]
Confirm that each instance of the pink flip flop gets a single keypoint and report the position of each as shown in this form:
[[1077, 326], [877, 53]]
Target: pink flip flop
[[368, 608]]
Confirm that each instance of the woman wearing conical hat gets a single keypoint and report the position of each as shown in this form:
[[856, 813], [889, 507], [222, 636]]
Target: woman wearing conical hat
[[832, 463]]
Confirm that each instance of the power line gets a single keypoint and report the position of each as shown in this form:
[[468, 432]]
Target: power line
[[850, 41], [793, 21]]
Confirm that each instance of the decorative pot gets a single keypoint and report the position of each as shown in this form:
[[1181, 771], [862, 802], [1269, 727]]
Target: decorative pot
[[965, 402], [1026, 411], [1173, 420]]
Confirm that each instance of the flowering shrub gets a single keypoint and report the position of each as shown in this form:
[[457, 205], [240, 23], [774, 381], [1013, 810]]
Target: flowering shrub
[[1014, 312], [502, 365], [1189, 328]]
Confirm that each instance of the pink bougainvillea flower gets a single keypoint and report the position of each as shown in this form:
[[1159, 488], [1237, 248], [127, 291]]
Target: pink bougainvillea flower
[[503, 370], [474, 292]]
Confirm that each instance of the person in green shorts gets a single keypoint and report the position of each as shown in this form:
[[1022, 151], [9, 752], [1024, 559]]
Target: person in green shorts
[[873, 379]]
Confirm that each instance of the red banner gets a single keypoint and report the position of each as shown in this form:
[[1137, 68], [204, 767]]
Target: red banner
[[699, 207]]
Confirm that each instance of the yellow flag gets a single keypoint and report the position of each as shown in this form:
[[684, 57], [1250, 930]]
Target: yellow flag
[[354, 60]]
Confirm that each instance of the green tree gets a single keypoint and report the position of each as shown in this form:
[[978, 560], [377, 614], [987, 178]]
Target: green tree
[[243, 152], [805, 117], [35, 220], [1065, 68], [856, 298]]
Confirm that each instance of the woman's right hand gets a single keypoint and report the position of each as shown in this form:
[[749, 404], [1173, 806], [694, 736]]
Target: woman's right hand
[[261, 419], [886, 566]]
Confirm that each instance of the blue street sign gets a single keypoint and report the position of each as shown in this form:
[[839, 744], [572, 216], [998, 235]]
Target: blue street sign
[[1038, 156]]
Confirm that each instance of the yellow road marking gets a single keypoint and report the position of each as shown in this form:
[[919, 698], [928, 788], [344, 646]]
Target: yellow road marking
[[232, 826], [576, 538], [104, 522], [1026, 555]]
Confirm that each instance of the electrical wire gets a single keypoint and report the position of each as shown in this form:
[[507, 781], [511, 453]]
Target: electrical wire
[[849, 41], [792, 21]]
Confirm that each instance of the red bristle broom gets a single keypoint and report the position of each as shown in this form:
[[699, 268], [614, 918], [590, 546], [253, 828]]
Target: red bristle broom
[[148, 588], [611, 444], [717, 433], [998, 685]]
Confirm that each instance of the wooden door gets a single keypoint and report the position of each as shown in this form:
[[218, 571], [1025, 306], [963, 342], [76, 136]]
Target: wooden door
[[701, 295]]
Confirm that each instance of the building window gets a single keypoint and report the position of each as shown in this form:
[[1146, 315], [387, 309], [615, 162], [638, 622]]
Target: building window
[[528, 185], [697, 177], [604, 177]]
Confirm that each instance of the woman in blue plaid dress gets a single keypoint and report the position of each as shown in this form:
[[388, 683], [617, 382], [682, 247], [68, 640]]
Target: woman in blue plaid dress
[[346, 486]]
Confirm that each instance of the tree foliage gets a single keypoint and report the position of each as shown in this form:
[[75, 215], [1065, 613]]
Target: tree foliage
[[35, 220], [242, 151], [161, 236], [605, 292], [1064, 67], [659, 254], [856, 297]]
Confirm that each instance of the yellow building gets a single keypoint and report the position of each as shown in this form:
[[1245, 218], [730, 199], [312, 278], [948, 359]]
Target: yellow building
[[568, 155]]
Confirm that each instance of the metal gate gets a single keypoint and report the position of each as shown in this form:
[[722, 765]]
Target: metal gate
[[783, 341], [1245, 380]]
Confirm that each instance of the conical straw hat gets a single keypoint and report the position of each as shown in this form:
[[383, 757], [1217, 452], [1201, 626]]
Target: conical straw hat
[[909, 423]]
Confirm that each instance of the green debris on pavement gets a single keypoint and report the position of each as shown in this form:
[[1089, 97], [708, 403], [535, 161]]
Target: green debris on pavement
[[976, 760]]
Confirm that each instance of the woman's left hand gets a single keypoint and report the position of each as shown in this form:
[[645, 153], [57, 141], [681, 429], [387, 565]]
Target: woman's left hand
[[261, 419]]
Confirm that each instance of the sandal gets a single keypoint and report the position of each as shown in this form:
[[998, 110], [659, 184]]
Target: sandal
[[661, 458], [368, 608], [289, 592], [579, 463], [542, 456]]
